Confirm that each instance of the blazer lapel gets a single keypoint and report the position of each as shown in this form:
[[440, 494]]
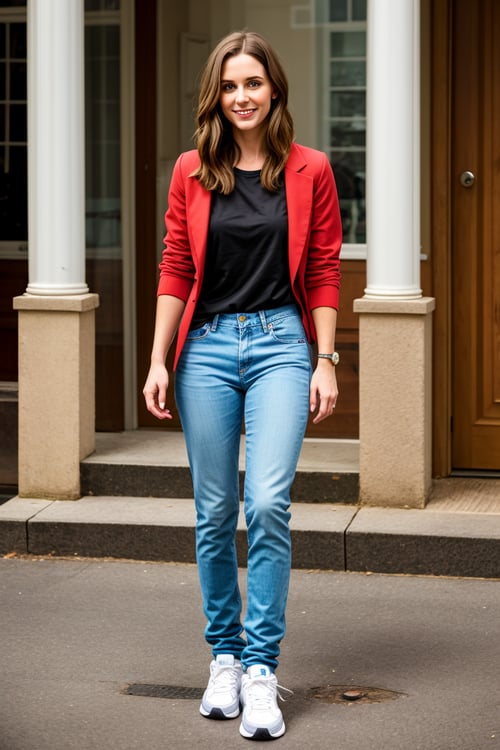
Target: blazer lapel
[[198, 218], [299, 195]]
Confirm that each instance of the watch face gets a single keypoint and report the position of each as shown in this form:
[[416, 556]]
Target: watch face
[[335, 358]]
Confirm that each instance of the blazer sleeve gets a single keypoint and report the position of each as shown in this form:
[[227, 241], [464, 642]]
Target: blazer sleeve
[[177, 268], [322, 275]]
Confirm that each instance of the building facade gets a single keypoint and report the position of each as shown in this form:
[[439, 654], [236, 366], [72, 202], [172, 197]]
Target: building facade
[[402, 95]]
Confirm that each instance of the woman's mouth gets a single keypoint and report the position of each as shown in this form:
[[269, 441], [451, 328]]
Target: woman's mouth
[[244, 112]]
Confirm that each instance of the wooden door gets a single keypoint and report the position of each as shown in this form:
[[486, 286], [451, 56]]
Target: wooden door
[[476, 235]]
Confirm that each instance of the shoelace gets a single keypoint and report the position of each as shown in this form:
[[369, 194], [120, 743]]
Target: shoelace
[[264, 699], [223, 676]]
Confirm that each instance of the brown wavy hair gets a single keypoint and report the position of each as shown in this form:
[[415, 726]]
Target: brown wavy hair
[[213, 136]]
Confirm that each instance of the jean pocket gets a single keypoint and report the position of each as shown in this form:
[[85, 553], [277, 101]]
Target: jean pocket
[[196, 334], [288, 330]]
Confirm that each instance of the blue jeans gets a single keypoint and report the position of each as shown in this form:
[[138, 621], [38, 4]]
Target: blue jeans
[[254, 367]]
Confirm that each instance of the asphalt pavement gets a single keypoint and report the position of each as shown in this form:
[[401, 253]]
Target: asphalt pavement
[[77, 636]]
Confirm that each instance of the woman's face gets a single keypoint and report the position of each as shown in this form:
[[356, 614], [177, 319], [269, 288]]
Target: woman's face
[[246, 94]]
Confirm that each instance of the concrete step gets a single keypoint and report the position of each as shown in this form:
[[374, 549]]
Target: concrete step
[[325, 536], [153, 463]]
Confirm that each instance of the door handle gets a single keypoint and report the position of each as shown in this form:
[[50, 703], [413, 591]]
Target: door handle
[[467, 179]]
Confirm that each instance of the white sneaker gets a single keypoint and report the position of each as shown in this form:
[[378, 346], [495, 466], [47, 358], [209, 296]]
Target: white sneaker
[[221, 699], [262, 719]]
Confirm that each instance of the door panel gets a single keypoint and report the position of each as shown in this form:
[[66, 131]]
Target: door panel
[[476, 235]]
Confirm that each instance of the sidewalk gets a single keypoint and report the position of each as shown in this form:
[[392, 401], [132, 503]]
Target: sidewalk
[[138, 505], [76, 634]]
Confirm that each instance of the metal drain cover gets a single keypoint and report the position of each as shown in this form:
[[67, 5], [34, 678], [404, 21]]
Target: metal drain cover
[[351, 694], [176, 692]]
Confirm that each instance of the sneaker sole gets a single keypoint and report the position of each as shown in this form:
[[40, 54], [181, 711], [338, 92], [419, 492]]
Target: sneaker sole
[[261, 734], [218, 714]]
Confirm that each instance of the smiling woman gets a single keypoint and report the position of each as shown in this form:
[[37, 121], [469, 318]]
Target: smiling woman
[[249, 278]]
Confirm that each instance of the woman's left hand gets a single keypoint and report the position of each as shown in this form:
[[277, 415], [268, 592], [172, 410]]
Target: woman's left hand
[[323, 391]]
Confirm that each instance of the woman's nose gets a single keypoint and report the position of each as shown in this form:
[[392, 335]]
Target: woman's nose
[[241, 94]]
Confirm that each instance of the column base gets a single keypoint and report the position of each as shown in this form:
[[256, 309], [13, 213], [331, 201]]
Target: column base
[[395, 430], [56, 392]]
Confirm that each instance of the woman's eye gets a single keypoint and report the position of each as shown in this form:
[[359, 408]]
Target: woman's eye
[[227, 86], [254, 84]]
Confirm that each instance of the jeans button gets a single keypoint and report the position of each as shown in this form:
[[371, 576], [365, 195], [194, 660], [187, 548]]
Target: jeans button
[[242, 318]]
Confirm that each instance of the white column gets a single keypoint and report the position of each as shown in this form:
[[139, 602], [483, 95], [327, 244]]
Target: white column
[[57, 312], [56, 166], [395, 324], [393, 159]]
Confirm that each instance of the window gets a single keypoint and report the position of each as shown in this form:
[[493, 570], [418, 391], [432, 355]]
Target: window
[[104, 266], [342, 97], [13, 133], [102, 133]]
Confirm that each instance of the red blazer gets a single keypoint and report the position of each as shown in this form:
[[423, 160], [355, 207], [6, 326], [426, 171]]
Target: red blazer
[[314, 236]]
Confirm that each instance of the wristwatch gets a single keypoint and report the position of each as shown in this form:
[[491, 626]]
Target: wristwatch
[[334, 358]]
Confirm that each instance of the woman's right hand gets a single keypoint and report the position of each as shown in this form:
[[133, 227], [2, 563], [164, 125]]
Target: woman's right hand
[[155, 391]]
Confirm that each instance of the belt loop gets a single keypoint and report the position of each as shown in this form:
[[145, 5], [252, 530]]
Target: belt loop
[[213, 326], [262, 315]]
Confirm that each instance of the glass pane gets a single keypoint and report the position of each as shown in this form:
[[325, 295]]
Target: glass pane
[[2, 41], [338, 10], [359, 10], [348, 134], [102, 132], [18, 41], [13, 192], [18, 76], [12, 3], [18, 123], [347, 103], [348, 73], [2, 81], [104, 79], [348, 44], [3, 111], [102, 5], [350, 178], [104, 41]]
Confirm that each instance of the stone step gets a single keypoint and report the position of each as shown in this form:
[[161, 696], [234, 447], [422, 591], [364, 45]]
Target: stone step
[[324, 535], [153, 463]]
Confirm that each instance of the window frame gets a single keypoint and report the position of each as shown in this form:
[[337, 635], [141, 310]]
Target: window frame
[[358, 250], [13, 249]]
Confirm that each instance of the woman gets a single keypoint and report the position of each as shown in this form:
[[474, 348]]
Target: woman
[[249, 278]]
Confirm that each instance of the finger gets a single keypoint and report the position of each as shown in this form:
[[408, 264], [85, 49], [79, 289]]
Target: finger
[[158, 410], [325, 410], [313, 394], [162, 397], [165, 414]]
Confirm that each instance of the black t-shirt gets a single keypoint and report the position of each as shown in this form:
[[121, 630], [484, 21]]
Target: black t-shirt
[[246, 267]]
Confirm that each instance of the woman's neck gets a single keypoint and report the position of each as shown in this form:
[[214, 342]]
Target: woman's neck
[[252, 153]]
